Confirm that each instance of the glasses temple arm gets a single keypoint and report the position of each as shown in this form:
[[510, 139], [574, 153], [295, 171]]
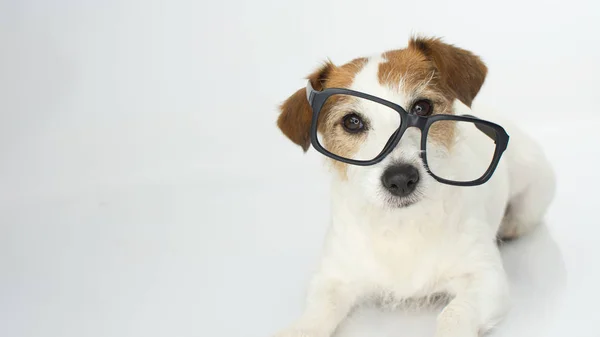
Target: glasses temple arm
[[309, 92], [485, 129]]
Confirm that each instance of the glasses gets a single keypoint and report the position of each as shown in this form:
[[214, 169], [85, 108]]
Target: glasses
[[440, 135]]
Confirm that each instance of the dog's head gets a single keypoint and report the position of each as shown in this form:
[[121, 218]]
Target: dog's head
[[428, 77]]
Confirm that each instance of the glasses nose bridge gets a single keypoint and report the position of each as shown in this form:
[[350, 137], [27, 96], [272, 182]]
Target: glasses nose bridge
[[409, 120], [415, 121]]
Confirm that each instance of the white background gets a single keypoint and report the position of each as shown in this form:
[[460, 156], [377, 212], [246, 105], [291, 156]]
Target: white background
[[146, 191]]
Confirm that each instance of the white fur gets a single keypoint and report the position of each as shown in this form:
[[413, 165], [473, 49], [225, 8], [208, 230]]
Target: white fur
[[443, 243]]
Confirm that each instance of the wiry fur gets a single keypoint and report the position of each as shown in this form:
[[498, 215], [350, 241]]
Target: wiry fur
[[441, 240]]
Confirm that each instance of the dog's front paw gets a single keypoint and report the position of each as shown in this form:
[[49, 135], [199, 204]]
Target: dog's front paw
[[299, 332], [457, 334], [453, 323]]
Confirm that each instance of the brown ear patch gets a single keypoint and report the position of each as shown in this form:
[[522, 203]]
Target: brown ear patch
[[460, 71], [296, 114], [294, 120]]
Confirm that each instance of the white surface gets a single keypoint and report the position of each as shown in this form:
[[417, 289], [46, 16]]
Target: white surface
[[145, 190]]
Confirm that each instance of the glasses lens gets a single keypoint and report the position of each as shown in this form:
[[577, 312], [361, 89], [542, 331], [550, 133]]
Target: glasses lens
[[356, 128], [460, 151]]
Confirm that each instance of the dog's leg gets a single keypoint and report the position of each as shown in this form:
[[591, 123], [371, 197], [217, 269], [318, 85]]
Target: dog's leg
[[532, 182], [480, 302], [526, 210], [329, 301]]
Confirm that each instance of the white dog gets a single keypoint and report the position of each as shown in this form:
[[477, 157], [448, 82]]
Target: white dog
[[397, 229]]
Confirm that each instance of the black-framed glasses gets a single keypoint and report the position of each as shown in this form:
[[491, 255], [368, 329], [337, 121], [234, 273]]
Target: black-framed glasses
[[490, 140]]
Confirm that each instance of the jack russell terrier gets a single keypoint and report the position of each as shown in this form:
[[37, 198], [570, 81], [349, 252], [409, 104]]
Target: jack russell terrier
[[423, 186]]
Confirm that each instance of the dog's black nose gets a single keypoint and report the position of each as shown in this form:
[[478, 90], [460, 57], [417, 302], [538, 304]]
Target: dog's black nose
[[400, 180]]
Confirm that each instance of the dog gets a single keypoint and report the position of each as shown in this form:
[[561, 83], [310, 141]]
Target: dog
[[397, 230]]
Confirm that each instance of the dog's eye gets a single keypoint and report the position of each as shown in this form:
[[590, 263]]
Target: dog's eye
[[353, 123], [422, 108]]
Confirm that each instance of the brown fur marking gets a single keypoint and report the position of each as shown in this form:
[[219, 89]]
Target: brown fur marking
[[427, 69], [296, 114], [461, 72], [431, 69]]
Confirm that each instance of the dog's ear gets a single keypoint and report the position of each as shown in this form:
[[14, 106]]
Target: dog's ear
[[460, 70], [296, 114]]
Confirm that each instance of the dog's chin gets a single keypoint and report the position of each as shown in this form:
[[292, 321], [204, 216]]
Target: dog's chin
[[394, 202]]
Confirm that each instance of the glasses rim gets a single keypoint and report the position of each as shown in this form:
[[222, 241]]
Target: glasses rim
[[317, 99]]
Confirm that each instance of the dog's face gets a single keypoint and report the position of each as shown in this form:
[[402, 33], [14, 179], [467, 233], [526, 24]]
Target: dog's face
[[426, 78]]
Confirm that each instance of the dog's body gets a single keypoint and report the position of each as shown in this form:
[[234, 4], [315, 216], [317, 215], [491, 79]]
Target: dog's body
[[445, 239]]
